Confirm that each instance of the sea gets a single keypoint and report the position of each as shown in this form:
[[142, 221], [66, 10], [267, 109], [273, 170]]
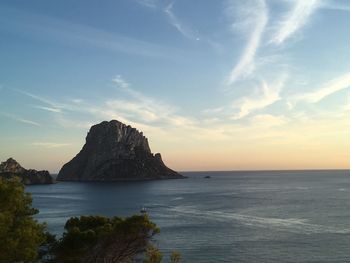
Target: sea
[[246, 216]]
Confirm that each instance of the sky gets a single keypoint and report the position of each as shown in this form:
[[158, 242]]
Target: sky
[[214, 85]]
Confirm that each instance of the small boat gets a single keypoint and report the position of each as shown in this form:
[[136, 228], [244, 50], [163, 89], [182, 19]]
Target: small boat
[[143, 210], [207, 177]]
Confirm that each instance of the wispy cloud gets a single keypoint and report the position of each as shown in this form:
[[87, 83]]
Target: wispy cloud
[[266, 95], [141, 99], [294, 20], [181, 27], [134, 108], [147, 3], [76, 101], [143, 108], [53, 105], [52, 29], [47, 108], [121, 82], [19, 119], [335, 5], [268, 120], [50, 144], [70, 122], [333, 86], [27, 121], [253, 17]]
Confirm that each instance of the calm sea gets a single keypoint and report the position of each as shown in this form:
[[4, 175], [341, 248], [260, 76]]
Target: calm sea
[[289, 216]]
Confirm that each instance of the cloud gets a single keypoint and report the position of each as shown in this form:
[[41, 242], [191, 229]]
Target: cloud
[[294, 20], [333, 86], [75, 123], [265, 96], [148, 3], [268, 120], [141, 111], [143, 108], [162, 120], [136, 109], [175, 22], [124, 86], [47, 28], [54, 106], [335, 5], [121, 83], [253, 16], [19, 119], [47, 108], [76, 101], [50, 144], [27, 121]]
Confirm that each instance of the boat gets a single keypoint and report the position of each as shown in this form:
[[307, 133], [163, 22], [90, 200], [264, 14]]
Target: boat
[[143, 210]]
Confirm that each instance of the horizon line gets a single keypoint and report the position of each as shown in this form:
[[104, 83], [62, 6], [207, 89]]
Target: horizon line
[[269, 170]]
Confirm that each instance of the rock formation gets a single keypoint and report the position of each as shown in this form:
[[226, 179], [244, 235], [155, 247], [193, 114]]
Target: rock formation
[[12, 168], [115, 152]]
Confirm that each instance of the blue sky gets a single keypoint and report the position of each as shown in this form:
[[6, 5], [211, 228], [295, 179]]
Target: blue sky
[[215, 85]]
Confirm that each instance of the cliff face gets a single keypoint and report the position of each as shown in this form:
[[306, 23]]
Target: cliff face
[[114, 151], [12, 168]]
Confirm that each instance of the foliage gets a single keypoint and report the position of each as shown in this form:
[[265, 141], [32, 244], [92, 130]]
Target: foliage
[[175, 257], [87, 239], [20, 234], [101, 239], [153, 255]]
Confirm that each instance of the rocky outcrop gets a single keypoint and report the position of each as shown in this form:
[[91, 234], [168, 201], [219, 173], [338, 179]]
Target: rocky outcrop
[[115, 152], [11, 168]]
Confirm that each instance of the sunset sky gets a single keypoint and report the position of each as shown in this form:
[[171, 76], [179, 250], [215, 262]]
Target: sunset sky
[[214, 85]]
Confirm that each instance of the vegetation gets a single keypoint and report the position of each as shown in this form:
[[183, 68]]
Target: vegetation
[[175, 257], [100, 239], [20, 234], [87, 239]]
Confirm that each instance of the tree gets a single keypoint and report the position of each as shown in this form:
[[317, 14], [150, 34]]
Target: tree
[[20, 234], [95, 239], [175, 257], [153, 255], [87, 239], [101, 239]]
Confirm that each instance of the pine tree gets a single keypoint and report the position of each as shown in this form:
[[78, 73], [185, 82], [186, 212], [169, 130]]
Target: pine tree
[[20, 234]]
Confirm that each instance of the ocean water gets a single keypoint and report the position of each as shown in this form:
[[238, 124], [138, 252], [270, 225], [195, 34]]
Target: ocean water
[[288, 216]]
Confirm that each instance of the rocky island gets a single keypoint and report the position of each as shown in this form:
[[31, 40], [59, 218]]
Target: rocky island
[[115, 152], [11, 168]]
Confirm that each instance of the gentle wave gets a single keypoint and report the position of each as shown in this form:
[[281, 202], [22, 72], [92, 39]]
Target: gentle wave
[[177, 198], [65, 197], [294, 225]]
